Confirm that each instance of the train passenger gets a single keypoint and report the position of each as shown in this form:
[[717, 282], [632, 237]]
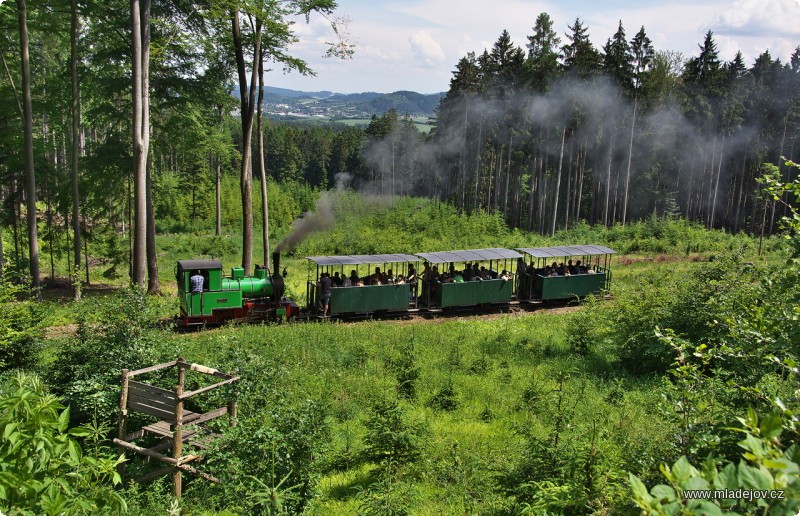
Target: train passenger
[[580, 268], [196, 282], [412, 274], [571, 268], [590, 270], [504, 275], [346, 282], [389, 277], [374, 279], [354, 277], [336, 280], [468, 273], [324, 285], [399, 280]]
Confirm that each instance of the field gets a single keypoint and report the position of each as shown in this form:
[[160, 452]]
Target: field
[[537, 411]]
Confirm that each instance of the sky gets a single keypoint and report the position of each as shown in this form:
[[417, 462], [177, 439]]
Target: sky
[[415, 44]]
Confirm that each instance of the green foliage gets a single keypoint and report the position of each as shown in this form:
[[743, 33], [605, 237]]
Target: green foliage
[[766, 467], [391, 435], [43, 469], [87, 370], [19, 333], [446, 398]]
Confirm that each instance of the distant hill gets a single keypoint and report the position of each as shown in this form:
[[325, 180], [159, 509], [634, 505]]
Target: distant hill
[[326, 104], [283, 92]]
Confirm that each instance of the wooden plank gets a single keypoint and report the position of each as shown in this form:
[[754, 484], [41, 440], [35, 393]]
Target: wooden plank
[[153, 411], [208, 388], [159, 403], [151, 368], [146, 452], [203, 369], [202, 418], [144, 389]]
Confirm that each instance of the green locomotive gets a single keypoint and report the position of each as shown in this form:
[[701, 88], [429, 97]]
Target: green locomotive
[[238, 297]]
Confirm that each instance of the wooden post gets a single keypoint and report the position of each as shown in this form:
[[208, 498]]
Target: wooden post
[[123, 418], [232, 412], [177, 436]]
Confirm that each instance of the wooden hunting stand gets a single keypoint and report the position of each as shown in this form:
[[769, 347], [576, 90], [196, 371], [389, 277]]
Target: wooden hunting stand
[[175, 426]]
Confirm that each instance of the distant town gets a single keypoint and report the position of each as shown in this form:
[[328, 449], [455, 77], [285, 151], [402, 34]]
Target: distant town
[[282, 103]]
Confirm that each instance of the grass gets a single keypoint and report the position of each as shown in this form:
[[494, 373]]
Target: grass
[[503, 372]]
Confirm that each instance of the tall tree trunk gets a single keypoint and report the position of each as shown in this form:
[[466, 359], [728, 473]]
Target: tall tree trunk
[[739, 199], [247, 103], [606, 221], [30, 174], [630, 160], [153, 283], [558, 182], [479, 144], [75, 113], [217, 164], [140, 21], [262, 162], [508, 175], [716, 185], [579, 197]]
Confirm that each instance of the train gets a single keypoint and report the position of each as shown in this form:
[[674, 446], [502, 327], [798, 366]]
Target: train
[[395, 283]]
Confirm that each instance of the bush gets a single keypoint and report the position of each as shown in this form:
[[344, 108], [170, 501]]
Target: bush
[[87, 370], [390, 436], [20, 339], [44, 468]]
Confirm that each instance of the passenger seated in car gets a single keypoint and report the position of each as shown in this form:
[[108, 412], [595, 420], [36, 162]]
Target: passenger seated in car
[[399, 280], [389, 277], [571, 268], [346, 282], [590, 270], [336, 280], [354, 277], [580, 268], [504, 275]]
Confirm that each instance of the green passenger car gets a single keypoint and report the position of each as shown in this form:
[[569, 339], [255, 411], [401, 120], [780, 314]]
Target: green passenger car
[[449, 294], [591, 277], [390, 296]]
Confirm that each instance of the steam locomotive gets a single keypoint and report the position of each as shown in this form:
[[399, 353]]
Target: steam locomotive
[[234, 298]]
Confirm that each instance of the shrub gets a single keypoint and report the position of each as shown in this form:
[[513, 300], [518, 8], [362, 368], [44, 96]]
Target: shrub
[[19, 336], [44, 469], [390, 434]]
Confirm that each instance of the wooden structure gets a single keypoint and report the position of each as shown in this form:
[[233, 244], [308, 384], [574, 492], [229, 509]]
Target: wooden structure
[[176, 426]]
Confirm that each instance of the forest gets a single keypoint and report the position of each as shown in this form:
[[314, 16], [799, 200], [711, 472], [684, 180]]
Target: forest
[[132, 135]]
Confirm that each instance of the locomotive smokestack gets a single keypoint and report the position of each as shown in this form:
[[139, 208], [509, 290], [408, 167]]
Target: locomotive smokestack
[[276, 262], [278, 286]]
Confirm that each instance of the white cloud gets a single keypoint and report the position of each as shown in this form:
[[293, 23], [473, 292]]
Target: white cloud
[[759, 18], [426, 49]]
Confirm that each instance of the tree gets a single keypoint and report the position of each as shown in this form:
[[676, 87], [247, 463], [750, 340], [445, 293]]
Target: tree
[[274, 16], [543, 53], [30, 174], [617, 60], [75, 112], [140, 22], [579, 54]]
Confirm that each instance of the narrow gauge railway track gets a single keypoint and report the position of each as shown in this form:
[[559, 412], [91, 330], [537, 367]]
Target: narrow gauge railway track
[[515, 308]]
